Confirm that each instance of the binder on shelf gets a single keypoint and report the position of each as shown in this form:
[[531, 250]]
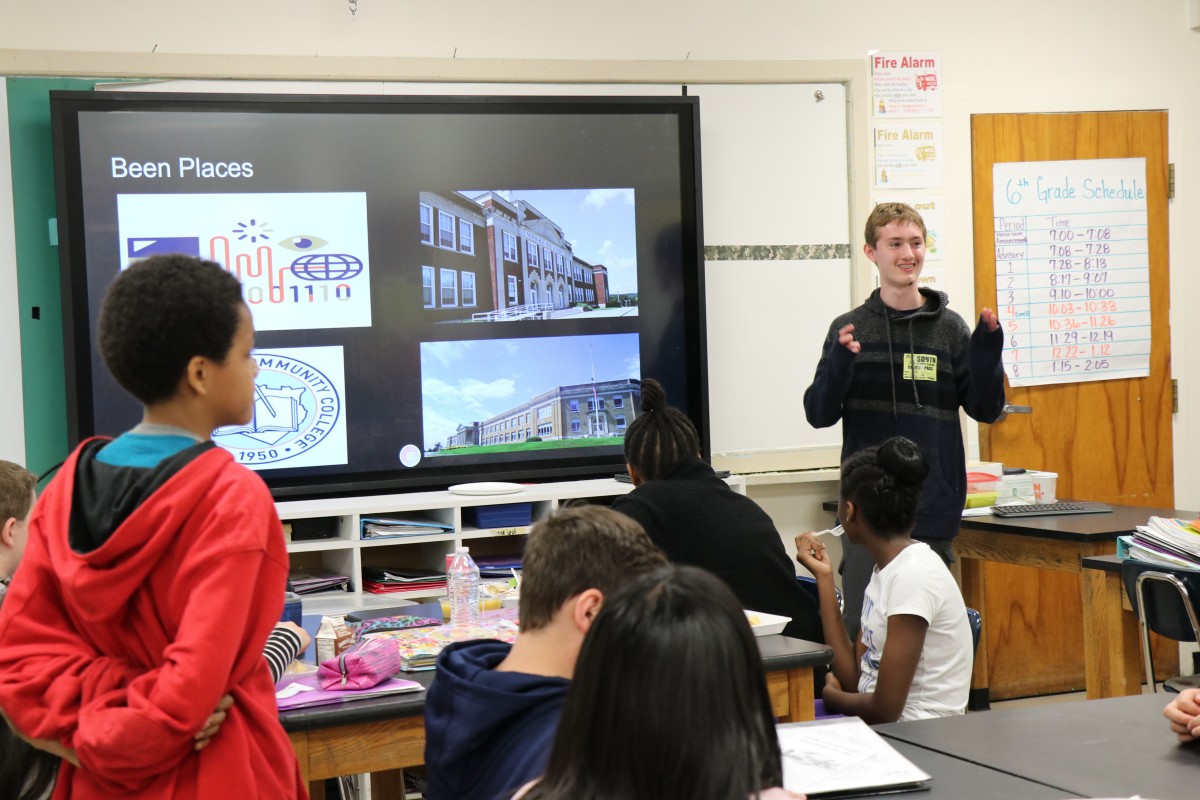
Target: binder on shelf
[[311, 581], [390, 527]]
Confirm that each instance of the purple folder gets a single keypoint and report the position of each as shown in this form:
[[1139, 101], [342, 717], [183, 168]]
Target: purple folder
[[311, 693]]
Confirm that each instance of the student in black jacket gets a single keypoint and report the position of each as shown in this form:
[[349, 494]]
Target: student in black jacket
[[697, 519]]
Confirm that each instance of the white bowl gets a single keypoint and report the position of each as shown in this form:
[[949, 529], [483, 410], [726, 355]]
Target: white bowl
[[764, 624]]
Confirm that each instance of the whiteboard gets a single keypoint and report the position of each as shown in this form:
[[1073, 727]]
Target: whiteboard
[[777, 264]]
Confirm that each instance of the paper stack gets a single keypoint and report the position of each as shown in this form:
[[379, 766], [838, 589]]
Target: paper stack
[[378, 580], [1164, 540]]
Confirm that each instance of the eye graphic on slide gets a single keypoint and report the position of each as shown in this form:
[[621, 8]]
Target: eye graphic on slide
[[303, 244], [253, 231]]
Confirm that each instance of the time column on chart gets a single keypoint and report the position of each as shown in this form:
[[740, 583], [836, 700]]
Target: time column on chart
[[1074, 294]]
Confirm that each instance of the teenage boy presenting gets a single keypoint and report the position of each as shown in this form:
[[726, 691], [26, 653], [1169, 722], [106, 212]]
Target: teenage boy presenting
[[156, 567], [492, 710], [902, 364]]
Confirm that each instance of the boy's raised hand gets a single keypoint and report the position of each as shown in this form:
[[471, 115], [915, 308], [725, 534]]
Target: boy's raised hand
[[846, 339], [989, 318], [810, 552]]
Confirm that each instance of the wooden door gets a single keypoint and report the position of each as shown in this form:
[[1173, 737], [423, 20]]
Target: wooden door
[[1107, 440]]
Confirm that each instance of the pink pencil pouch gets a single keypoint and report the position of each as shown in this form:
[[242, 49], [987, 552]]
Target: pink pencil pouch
[[360, 666]]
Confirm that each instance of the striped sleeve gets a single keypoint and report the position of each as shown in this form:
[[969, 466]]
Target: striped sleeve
[[282, 646]]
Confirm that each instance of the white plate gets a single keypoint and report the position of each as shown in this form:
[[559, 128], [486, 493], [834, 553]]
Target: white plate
[[486, 488], [764, 624]]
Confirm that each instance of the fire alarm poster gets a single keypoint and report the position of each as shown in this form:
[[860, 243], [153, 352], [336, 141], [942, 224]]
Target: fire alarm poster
[[908, 155], [906, 85]]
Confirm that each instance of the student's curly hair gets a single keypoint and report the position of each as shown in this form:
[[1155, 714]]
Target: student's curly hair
[[662, 438], [884, 483], [159, 314]]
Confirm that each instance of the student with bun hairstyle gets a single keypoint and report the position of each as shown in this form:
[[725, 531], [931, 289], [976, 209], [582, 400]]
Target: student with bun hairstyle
[[669, 700], [903, 364], [697, 519], [913, 657]]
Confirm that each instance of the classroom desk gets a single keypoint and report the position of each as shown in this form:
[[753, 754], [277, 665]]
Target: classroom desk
[[1112, 658], [955, 779], [1117, 747], [386, 734]]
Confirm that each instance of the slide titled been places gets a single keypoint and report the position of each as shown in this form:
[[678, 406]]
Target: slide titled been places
[[302, 257], [299, 411]]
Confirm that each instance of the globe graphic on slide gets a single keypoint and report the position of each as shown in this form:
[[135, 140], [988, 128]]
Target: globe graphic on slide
[[326, 267]]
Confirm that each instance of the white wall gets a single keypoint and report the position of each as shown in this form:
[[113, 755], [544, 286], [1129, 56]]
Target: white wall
[[1020, 56]]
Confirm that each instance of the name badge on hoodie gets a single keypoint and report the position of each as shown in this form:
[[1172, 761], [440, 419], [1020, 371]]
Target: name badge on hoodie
[[921, 366]]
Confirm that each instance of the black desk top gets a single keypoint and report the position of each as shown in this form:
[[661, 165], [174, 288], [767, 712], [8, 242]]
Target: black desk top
[[1104, 563], [778, 653], [1069, 527], [1116, 747], [955, 779], [1074, 527]]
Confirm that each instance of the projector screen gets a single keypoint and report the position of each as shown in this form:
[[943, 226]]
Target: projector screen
[[444, 289]]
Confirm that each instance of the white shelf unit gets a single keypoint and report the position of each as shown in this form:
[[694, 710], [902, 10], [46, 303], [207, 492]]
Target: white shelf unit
[[347, 553]]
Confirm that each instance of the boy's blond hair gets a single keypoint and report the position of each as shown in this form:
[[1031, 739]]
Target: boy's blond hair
[[886, 213], [16, 491], [576, 549]]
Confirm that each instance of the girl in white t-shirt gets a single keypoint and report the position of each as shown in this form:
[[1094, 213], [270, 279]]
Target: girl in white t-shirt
[[914, 652]]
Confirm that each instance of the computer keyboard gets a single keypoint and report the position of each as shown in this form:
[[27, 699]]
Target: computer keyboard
[[1047, 509]]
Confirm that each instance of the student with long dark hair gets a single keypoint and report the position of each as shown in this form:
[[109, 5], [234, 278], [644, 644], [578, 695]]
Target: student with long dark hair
[[914, 651], [669, 700], [697, 519]]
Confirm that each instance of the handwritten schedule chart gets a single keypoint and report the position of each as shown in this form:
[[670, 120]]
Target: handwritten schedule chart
[[1072, 270]]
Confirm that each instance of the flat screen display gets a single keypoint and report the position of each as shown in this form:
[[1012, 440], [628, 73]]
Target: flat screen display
[[444, 289]]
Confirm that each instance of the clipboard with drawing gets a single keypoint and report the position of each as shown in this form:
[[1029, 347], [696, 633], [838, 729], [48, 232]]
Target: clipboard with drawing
[[843, 757]]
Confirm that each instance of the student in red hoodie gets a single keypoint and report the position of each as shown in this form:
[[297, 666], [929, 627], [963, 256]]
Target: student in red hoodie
[[155, 567]]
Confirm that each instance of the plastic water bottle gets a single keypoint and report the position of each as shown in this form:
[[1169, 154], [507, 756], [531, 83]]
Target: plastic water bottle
[[463, 586]]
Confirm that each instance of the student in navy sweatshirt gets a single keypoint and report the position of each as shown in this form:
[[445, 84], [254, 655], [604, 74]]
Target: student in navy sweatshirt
[[492, 710]]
